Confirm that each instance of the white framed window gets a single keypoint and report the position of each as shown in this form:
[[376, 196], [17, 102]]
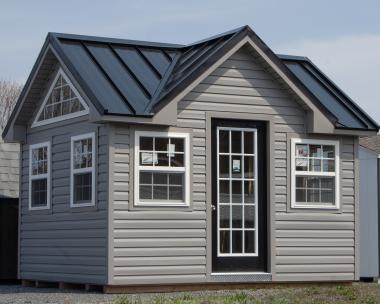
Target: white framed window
[[162, 170], [61, 102], [315, 174], [82, 179], [39, 176]]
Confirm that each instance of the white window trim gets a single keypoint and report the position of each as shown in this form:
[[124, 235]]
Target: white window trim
[[40, 176], [86, 110], [82, 170], [137, 168], [334, 143]]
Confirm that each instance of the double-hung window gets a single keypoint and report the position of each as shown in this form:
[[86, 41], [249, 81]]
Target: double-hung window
[[39, 176], [315, 174], [82, 191], [161, 169]]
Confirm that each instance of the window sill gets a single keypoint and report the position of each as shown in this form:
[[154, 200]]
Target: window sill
[[83, 208], [160, 204], [314, 208], [38, 208], [81, 205], [160, 207]]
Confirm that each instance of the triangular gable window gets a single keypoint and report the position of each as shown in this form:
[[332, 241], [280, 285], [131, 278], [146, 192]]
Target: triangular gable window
[[62, 102]]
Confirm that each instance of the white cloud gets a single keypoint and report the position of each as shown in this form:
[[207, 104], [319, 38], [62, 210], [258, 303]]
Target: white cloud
[[352, 62]]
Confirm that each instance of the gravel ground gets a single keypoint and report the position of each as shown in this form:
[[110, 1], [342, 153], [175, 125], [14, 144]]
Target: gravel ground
[[17, 294], [363, 293]]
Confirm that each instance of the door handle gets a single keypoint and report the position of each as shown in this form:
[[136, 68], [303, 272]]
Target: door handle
[[213, 207]]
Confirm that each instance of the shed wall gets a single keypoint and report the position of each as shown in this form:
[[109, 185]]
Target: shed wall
[[369, 247], [156, 247], [65, 244]]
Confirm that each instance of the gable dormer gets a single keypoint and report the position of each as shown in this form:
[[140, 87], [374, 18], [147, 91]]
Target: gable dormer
[[61, 102]]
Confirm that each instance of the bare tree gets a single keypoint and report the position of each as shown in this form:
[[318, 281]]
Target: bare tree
[[9, 92]]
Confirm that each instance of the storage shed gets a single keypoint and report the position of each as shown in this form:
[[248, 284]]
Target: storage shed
[[152, 164]]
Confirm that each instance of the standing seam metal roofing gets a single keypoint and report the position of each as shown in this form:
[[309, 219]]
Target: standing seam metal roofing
[[349, 114], [152, 71], [136, 78]]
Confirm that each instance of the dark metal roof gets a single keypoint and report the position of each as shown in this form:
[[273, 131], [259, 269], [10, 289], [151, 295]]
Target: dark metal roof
[[348, 113], [122, 75], [129, 77], [153, 71]]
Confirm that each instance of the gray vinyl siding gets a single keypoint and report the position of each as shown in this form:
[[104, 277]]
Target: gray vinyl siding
[[369, 187], [152, 247], [9, 170], [156, 246], [65, 244]]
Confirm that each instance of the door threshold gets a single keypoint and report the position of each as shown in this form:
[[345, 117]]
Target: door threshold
[[240, 277]]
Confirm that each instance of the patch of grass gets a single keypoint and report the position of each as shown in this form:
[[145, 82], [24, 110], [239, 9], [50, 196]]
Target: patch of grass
[[280, 301], [240, 298], [370, 299], [347, 292], [358, 293], [122, 300]]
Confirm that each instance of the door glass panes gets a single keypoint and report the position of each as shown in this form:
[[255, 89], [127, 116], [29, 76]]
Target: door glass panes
[[237, 184]]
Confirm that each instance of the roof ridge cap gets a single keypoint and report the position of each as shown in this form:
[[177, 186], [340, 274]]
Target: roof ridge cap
[[92, 38]]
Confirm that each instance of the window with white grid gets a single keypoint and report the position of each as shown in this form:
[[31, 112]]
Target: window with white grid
[[161, 169], [39, 176], [315, 173], [83, 170]]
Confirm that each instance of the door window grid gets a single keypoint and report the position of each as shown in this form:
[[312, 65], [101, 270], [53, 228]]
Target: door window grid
[[243, 229]]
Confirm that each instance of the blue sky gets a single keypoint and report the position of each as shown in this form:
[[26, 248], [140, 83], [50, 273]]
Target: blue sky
[[341, 36]]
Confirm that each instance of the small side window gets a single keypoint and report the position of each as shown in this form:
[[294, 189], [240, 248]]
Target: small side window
[[82, 170], [315, 174], [39, 176]]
